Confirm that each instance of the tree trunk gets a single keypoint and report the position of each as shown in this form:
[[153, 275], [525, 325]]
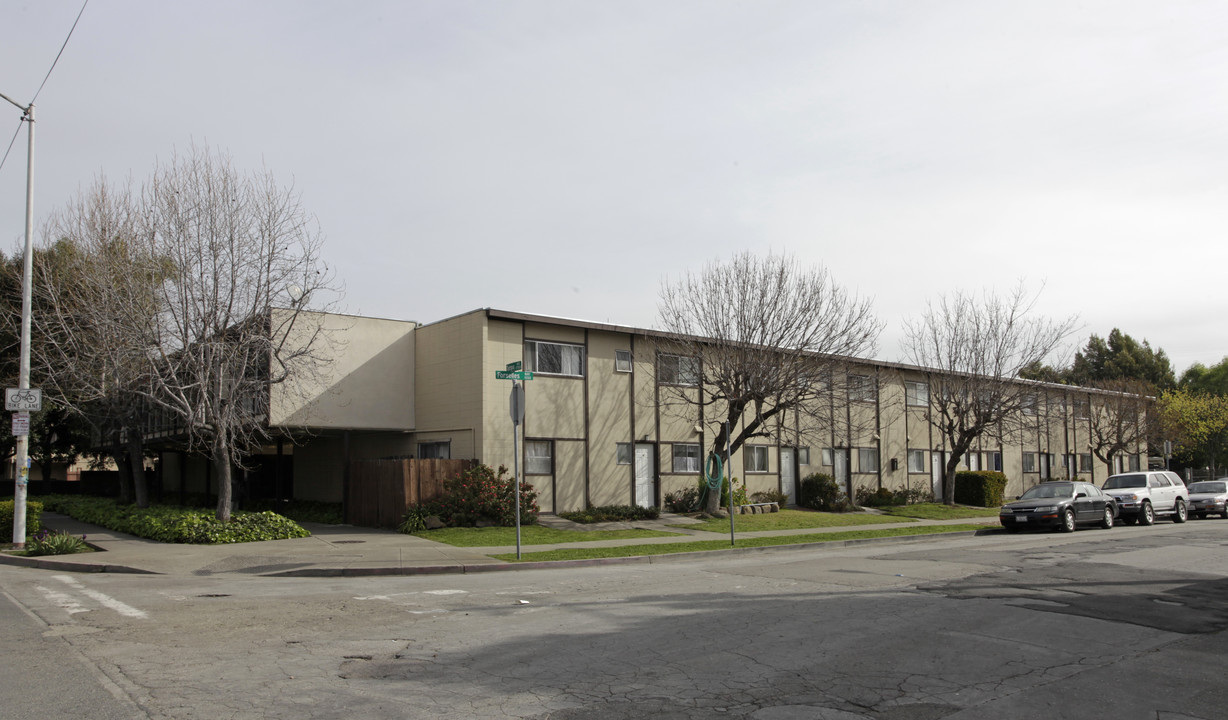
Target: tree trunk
[[948, 480], [221, 472], [122, 464], [136, 464]]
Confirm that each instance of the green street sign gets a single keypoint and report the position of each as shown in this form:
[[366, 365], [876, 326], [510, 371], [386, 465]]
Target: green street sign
[[511, 375], [514, 366]]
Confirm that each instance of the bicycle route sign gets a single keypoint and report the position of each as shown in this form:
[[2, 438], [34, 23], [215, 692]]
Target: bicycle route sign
[[23, 400]]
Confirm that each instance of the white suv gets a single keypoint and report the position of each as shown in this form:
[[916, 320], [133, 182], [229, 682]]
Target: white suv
[[1141, 496]]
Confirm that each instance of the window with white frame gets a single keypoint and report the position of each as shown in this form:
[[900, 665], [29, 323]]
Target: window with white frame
[[973, 461], [622, 361], [803, 456], [677, 370], [538, 457], [862, 388], [867, 460], [1085, 462], [623, 454], [825, 457], [438, 450], [552, 358], [755, 458], [1027, 404], [686, 458], [916, 461], [1029, 462], [995, 461], [1133, 463], [1080, 408], [917, 393]]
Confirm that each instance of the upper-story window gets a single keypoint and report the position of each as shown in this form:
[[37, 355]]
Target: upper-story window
[[862, 388], [1080, 408], [554, 358], [677, 370], [917, 393], [1028, 404], [622, 361]]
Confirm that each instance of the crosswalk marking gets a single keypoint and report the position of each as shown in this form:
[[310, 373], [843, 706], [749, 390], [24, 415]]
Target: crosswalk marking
[[100, 597]]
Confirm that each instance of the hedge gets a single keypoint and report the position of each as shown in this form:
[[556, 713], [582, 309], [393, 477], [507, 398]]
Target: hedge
[[981, 488]]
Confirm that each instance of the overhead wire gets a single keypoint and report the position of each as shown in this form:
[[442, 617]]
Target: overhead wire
[[44, 82]]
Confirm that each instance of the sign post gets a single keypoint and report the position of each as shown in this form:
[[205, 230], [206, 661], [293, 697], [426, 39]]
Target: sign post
[[516, 409]]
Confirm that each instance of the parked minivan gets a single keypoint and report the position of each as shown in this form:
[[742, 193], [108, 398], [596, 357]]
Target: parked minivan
[[1142, 496]]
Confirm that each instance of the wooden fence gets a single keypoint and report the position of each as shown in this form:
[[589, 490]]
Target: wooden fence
[[381, 490]]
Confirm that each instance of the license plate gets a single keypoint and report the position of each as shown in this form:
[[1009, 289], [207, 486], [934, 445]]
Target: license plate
[[1020, 518]]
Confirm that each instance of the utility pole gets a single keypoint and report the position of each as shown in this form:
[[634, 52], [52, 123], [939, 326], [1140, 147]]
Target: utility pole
[[22, 470]]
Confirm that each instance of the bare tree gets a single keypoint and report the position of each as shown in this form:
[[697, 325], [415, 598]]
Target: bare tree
[[94, 295], [242, 263], [972, 350], [756, 337], [1118, 418]]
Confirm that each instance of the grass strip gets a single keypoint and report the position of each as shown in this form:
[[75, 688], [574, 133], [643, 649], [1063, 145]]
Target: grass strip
[[702, 545], [530, 535], [938, 511], [791, 520]]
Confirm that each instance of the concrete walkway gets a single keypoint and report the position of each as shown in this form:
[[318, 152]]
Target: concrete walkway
[[344, 550]]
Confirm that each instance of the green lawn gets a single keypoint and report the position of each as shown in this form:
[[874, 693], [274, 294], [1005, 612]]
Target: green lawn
[[667, 548], [792, 520], [529, 535], [938, 511]]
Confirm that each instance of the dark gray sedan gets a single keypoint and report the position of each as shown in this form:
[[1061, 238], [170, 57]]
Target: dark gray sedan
[[1059, 504]]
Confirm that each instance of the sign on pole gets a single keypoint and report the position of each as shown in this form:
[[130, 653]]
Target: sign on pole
[[18, 399], [513, 375], [21, 423], [514, 366], [516, 403]]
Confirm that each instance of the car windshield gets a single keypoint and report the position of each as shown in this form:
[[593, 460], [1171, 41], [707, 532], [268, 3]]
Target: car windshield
[[1209, 487], [1049, 491], [1125, 481]]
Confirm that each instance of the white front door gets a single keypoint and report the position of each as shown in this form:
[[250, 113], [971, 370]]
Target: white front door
[[644, 481], [788, 479], [840, 460]]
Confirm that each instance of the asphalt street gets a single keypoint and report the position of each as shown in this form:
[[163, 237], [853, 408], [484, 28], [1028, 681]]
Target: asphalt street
[[1124, 623]]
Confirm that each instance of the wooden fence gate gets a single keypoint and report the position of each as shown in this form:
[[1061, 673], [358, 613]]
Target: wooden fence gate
[[381, 490]]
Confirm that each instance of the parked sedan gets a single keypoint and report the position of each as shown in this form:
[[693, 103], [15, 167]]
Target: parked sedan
[[1209, 497], [1062, 504]]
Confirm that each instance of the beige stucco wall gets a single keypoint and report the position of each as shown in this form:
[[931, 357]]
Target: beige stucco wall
[[449, 367], [368, 385], [609, 420]]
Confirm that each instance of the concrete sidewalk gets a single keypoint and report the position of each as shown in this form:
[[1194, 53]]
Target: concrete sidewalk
[[344, 550]]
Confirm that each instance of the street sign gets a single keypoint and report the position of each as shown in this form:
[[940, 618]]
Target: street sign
[[21, 423], [514, 366], [511, 375], [18, 400], [516, 402]]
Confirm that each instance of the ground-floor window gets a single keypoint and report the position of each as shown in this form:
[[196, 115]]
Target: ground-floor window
[[538, 457], [803, 456], [1085, 462], [1029, 462], [686, 458], [916, 461], [1133, 463], [435, 450], [867, 460], [825, 457], [623, 454], [755, 458], [995, 461]]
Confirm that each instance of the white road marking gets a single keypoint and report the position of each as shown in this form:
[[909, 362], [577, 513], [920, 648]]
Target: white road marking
[[102, 598], [65, 602], [445, 592]]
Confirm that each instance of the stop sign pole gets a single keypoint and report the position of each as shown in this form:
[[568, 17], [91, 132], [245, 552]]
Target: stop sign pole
[[516, 401]]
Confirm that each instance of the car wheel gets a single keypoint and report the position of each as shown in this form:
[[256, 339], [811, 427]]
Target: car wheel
[[1146, 516], [1107, 521], [1182, 512], [1068, 521]]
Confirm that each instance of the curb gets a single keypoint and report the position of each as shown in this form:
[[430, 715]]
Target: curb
[[42, 563]]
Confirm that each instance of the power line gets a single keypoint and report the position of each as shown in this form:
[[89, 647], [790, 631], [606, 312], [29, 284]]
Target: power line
[[10, 147], [61, 52]]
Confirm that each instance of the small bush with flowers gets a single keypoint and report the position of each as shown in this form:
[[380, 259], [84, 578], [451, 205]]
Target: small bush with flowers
[[481, 495], [47, 542]]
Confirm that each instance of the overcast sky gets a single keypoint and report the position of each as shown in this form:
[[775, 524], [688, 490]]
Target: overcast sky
[[565, 157]]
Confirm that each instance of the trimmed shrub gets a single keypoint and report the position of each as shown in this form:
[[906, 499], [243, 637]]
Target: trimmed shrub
[[325, 513], [770, 496], [981, 488], [34, 518], [480, 495], [612, 513], [169, 524], [820, 491], [882, 497], [681, 501]]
